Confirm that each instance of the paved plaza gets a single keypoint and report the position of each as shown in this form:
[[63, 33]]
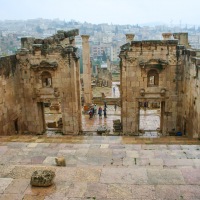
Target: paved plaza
[[101, 167]]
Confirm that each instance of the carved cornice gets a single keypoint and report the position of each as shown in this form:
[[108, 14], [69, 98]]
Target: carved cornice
[[50, 65], [161, 93], [154, 63]]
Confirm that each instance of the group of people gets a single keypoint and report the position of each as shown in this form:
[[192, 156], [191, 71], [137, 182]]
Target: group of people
[[104, 111], [93, 110]]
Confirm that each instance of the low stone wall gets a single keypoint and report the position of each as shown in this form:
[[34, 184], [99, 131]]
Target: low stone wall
[[110, 101]]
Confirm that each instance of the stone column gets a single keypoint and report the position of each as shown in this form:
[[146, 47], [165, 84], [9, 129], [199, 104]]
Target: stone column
[[129, 37], [86, 69], [167, 36], [183, 39]]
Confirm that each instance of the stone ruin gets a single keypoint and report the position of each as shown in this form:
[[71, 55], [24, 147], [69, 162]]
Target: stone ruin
[[165, 72], [42, 71]]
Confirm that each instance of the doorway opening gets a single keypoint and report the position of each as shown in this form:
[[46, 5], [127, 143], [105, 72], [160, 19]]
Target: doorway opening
[[52, 116], [150, 116]]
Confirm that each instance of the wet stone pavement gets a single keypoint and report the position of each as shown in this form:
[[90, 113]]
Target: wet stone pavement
[[104, 168], [91, 125]]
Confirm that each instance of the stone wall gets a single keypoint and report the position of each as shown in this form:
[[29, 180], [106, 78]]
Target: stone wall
[[10, 93], [189, 93], [47, 71]]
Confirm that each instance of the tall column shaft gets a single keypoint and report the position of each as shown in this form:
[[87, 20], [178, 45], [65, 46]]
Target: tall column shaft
[[86, 69]]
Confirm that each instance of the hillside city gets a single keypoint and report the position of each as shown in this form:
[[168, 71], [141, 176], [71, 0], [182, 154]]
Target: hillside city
[[105, 39]]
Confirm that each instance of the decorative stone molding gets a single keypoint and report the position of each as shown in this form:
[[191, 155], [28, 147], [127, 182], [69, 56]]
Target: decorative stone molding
[[43, 65], [131, 60], [154, 63]]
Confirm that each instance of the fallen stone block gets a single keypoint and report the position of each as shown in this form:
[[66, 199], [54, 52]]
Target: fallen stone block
[[42, 178], [60, 161]]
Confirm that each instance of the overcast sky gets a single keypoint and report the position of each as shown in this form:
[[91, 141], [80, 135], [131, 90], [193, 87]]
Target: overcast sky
[[105, 11]]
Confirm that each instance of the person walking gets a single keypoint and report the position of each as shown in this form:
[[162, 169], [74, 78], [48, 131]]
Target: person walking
[[90, 114], [105, 104], [114, 91], [100, 112]]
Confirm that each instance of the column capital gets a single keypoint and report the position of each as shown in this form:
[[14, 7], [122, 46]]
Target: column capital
[[130, 37], [85, 37], [167, 36]]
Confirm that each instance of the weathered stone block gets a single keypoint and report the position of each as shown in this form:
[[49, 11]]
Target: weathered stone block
[[42, 178]]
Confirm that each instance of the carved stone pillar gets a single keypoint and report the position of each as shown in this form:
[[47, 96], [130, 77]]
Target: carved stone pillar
[[129, 37], [86, 69]]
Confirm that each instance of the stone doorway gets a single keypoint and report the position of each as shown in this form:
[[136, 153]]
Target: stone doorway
[[150, 116], [52, 116]]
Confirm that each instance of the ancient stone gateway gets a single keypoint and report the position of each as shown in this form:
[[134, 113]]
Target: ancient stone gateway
[[42, 71], [148, 74], [165, 72]]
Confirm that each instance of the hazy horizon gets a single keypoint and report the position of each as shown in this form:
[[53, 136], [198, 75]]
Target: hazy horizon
[[104, 11]]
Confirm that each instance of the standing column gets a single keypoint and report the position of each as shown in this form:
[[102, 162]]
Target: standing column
[[130, 37], [86, 69]]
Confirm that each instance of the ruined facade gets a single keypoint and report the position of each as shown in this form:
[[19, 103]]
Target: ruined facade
[[42, 71], [164, 71]]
